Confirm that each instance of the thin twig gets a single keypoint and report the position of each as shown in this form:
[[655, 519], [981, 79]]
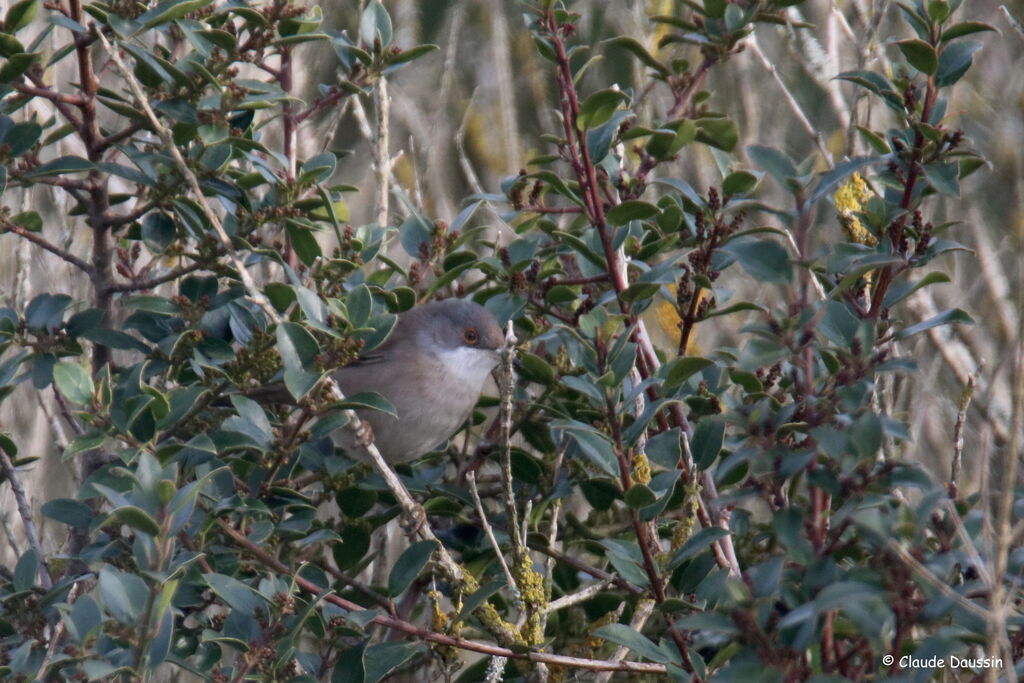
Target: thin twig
[[25, 511], [579, 596], [958, 437], [443, 639], [471, 479]]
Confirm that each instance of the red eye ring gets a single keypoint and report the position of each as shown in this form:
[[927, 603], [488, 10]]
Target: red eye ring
[[471, 336]]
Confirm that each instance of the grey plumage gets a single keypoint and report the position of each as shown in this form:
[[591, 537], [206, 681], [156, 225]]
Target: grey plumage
[[432, 369]]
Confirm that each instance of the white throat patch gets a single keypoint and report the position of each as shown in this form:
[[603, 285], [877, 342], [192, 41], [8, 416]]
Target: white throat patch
[[466, 365]]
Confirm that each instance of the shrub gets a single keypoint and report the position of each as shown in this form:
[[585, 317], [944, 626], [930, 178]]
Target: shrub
[[740, 512]]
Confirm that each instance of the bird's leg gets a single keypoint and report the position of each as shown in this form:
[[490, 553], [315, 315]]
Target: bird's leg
[[413, 520], [364, 434]]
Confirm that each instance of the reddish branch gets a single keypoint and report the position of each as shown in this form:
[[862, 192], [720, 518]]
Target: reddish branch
[[433, 636]]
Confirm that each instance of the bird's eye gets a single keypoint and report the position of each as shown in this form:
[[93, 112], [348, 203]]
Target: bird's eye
[[470, 336]]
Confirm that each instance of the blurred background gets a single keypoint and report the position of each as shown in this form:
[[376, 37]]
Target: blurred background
[[472, 113]]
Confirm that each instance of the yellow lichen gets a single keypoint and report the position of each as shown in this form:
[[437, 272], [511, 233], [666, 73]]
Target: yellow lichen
[[850, 198], [641, 469]]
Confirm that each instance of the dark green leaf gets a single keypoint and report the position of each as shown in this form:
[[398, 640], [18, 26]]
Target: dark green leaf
[[953, 315], [739, 182], [409, 565], [718, 132], [381, 659], [124, 595], [681, 369], [631, 210], [67, 511], [920, 55], [707, 442], [67, 164], [600, 106], [136, 518], [410, 54], [966, 28], [16, 65], [297, 346], [626, 636], [766, 260], [236, 594], [370, 400], [944, 178], [25, 570], [30, 220], [20, 15], [955, 60], [640, 52], [776, 163], [697, 544]]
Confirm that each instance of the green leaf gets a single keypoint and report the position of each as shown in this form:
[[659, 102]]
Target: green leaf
[[26, 570], [297, 346], [697, 544], [359, 303], [370, 400], [30, 220], [640, 644], [680, 369], [16, 65], [938, 10], [944, 177], [135, 517], [158, 232], [902, 290], [304, 243], [866, 435], [766, 260], [410, 54], [169, 10], [631, 210], [775, 162], [375, 24], [236, 594], [953, 315], [920, 55], [124, 595], [965, 28], [381, 659], [718, 132], [639, 496], [74, 382], [20, 15], [66, 164], [954, 62], [9, 45], [536, 369], [707, 442], [739, 182], [599, 107], [67, 511], [640, 52], [594, 446], [409, 565]]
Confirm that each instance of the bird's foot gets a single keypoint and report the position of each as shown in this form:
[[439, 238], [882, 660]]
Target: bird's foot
[[364, 434], [413, 520]]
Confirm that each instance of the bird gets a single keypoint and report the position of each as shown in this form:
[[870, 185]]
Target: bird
[[432, 369]]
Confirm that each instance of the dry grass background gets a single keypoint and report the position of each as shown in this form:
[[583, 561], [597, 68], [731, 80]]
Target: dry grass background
[[472, 113]]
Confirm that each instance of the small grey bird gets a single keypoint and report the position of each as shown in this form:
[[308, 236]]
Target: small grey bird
[[432, 368]]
